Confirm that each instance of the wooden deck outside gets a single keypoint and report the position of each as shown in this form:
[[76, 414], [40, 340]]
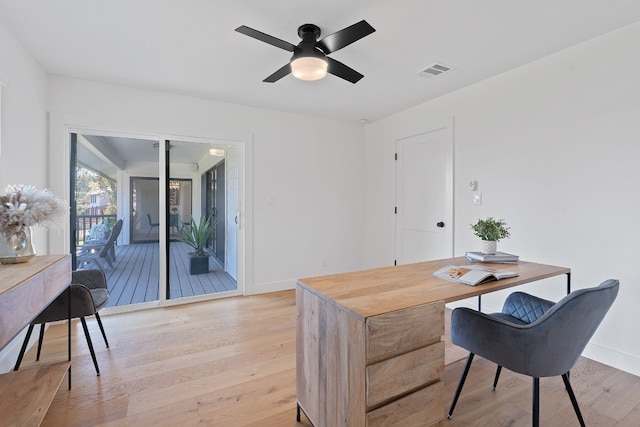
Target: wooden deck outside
[[134, 278]]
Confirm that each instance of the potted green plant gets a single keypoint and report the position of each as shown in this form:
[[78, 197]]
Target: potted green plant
[[197, 236], [491, 231]]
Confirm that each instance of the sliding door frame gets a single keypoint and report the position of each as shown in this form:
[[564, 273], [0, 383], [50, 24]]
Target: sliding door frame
[[63, 125]]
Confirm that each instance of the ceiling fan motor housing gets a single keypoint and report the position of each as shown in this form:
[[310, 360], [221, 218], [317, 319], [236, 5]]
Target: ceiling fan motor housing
[[310, 60], [309, 32]]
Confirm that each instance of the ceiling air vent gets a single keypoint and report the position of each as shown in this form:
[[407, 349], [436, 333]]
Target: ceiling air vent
[[435, 70]]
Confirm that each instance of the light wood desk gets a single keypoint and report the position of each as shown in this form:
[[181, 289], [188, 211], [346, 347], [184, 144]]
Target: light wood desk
[[369, 348], [25, 290]]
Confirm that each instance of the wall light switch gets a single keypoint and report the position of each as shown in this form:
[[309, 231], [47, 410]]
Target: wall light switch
[[477, 198], [271, 200]]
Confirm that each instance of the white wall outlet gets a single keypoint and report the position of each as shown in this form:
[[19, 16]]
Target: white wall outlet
[[477, 198]]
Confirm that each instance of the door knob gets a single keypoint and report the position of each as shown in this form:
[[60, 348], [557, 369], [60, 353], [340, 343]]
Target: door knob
[[440, 224]]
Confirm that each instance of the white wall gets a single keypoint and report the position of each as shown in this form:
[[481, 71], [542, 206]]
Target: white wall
[[311, 168], [23, 155], [554, 146]]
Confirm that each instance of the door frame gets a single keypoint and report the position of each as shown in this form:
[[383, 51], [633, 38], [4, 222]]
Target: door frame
[[62, 125], [448, 127], [211, 198]]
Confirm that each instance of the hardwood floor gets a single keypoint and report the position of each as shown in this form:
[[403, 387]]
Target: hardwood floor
[[231, 362]]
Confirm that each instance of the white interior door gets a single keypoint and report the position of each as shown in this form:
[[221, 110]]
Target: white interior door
[[424, 196]]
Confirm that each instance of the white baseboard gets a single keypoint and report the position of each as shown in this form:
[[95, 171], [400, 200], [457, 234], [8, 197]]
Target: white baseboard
[[263, 288], [613, 358]]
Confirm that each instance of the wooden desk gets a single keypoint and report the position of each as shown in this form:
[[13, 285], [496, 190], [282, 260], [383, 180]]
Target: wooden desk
[[25, 290], [369, 348]]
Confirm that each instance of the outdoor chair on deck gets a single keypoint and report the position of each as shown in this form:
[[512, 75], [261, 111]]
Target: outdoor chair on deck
[[94, 251], [89, 294], [151, 224], [534, 337]]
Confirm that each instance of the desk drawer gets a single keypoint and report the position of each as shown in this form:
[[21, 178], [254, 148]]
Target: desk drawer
[[19, 306], [396, 376], [56, 279], [401, 331], [422, 408]]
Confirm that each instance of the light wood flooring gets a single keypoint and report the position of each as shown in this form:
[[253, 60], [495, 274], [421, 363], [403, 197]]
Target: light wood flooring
[[231, 362]]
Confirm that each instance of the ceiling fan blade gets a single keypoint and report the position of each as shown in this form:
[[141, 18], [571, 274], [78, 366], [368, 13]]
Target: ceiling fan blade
[[338, 69], [283, 71], [259, 35], [345, 37]]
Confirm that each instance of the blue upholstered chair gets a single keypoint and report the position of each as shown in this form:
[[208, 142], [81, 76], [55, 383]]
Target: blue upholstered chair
[[532, 336]]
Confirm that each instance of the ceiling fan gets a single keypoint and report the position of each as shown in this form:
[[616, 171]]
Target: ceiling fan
[[310, 60]]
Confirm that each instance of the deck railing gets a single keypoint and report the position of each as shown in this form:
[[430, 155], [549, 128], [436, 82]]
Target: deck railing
[[85, 222]]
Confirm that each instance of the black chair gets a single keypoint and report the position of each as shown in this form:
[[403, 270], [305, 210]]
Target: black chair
[[93, 252], [89, 294], [534, 337], [151, 224]]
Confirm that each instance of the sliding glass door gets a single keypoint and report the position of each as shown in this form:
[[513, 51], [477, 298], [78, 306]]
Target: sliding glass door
[[193, 225], [114, 219], [153, 197]]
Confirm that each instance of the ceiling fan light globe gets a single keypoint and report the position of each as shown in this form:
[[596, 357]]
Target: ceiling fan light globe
[[309, 68]]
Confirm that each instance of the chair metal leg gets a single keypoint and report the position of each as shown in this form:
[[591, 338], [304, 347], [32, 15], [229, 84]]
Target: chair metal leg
[[460, 385], [495, 380], [40, 339], [23, 348], [535, 411], [299, 411], [90, 344], [102, 329], [572, 396]]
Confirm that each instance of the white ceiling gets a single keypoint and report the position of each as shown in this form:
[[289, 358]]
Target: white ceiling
[[108, 154], [128, 151], [190, 47]]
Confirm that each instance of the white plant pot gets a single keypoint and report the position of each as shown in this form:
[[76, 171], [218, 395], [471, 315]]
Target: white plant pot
[[489, 247]]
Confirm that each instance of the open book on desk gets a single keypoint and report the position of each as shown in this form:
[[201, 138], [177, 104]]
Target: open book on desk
[[472, 274]]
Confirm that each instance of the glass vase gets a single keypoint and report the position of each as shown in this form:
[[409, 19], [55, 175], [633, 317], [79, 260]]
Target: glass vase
[[16, 247]]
